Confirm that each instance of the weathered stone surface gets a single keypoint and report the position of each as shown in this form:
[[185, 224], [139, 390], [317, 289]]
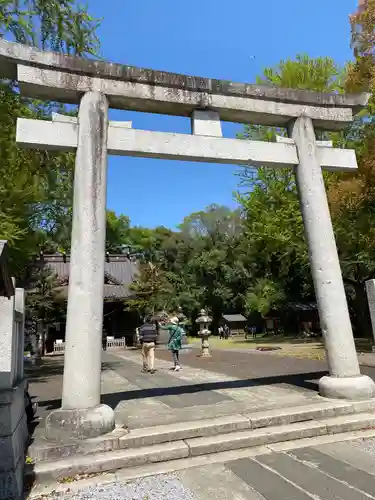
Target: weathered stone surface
[[343, 472], [102, 462], [350, 454], [64, 424], [57, 117], [326, 272], [309, 480], [63, 136], [206, 122], [13, 441], [69, 87], [216, 482], [325, 266], [270, 486], [83, 343], [8, 362], [8, 396], [283, 416], [48, 450], [11, 483], [256, 437], [320, 440], [289, 140], [13, 447], [12, 54], [81, 415], [350, 423], [19, 306], [351, 388], [12, 409], [184, 430], [366, 406]]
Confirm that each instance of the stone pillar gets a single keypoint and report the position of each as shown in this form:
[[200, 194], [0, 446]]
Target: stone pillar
[[13, 427], [8, 347], [82, 416], [370, 290], [345, 380], [19, 306]]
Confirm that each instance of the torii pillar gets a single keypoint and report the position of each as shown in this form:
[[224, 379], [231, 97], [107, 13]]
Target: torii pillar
[[345, 380], [81, 415]]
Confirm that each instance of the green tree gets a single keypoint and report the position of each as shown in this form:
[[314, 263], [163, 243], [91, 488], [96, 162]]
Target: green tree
[[44, 303], [273, 245], [36, 186], [117, 234], [152, 291], [203, 263], [58, 25]]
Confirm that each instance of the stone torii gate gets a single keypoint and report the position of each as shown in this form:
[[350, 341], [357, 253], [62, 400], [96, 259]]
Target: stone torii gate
[[96, 86]]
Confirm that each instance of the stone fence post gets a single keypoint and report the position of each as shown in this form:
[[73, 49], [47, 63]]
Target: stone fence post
[[13, 422]]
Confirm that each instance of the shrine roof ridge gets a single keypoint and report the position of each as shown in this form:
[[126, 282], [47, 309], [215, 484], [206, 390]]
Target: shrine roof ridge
[[13, 54]]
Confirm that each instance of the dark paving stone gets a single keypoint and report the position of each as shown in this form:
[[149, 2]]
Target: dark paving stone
[[171, 391], [261, 368], [198, 399], [310, 479], [340, 470], [265, 482]]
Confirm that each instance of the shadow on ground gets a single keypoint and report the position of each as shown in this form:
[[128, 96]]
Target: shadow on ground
[[43, 371], [307, 381]]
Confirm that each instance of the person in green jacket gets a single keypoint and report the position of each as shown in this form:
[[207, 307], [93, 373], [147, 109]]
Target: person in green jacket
[[175, 340]]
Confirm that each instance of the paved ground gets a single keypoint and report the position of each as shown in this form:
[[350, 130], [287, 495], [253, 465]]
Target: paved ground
[[226, 384], [339, 471], [229, 382]]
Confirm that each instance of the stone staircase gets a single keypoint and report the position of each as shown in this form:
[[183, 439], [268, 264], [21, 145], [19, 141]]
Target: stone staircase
[[166, 443]]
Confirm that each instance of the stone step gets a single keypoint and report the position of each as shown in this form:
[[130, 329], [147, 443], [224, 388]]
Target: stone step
[[42, 450], [69, 468]]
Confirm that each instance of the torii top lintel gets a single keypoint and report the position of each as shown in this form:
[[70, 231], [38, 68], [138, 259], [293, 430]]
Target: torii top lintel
[[57, 76]]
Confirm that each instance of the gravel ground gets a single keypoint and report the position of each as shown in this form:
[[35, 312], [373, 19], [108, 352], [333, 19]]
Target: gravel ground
[[365, 444], [163, 487]]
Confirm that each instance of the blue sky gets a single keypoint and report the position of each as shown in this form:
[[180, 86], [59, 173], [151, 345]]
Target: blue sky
[[212, 38]]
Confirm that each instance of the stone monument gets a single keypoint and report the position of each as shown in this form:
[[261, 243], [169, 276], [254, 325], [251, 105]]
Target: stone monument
[[13, 421], [95, 86]]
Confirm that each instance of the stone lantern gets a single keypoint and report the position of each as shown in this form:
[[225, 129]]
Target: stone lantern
[[163, 335], [180, 315], [203, 321]]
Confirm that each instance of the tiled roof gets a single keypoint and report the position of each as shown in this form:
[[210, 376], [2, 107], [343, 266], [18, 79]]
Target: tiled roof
[[234, 317], [115, 292], [117, 268], [302, 306]]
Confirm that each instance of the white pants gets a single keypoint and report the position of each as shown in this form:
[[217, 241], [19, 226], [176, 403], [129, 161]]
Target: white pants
[[148, 355]]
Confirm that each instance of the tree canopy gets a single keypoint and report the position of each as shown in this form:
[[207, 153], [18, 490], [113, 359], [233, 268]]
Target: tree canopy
[[36, 186]]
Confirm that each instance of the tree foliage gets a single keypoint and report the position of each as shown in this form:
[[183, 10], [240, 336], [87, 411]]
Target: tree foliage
[[59, 25], [36, 186], [255, 259]]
